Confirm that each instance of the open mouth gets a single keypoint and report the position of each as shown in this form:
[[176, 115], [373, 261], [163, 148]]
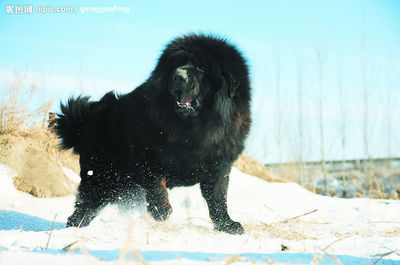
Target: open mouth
[[185, 101]]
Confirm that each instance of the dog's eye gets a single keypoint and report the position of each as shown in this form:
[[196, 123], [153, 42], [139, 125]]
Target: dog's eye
[[198, 68]]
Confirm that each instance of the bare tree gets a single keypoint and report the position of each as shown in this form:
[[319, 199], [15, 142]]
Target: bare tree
[[389, 120], [321, 62], [300, 159], [343, 117], [365, 96], [279, 116], [369, 78]]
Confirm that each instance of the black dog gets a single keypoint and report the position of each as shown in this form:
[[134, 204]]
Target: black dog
[[185, 125]]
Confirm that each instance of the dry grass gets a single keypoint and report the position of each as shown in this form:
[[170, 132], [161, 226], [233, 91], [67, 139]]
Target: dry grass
[[347, 183], [253, 167], [392, 232], [38, 163], [291, 231], [15, 115], [29, 148]]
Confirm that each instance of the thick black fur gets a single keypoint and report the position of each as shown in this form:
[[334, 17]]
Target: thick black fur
[[185, 125]]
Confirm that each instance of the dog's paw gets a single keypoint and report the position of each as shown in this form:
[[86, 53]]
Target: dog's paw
[[160, 212], [231, 227]]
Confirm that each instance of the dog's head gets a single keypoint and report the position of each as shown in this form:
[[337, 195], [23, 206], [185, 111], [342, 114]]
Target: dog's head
[[200, 72], [187, 87]]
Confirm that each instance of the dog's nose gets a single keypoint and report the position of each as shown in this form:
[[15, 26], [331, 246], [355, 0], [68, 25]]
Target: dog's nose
[[180, 76]]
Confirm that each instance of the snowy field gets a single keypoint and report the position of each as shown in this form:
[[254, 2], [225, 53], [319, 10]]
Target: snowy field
[[284, 223]]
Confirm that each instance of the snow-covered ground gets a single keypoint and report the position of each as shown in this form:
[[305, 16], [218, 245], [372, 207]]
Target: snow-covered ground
[[312, 229]]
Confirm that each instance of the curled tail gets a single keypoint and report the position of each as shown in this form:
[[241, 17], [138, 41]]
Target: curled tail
[[71, 122]]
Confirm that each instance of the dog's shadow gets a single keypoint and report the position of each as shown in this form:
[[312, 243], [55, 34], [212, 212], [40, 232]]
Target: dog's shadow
[[11, 220]]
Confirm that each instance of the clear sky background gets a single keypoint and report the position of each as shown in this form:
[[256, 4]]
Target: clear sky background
[[91, 53]]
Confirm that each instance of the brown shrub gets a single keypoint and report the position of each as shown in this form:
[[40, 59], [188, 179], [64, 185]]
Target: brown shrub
[[253, 167], [29, 148]]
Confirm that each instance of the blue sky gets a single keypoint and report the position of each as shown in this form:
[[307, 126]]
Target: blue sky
[[92, 53]]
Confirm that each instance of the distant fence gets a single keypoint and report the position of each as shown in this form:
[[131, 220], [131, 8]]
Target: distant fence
[[339, 165]]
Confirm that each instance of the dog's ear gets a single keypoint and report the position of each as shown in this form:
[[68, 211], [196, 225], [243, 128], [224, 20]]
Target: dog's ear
[[232, 84]]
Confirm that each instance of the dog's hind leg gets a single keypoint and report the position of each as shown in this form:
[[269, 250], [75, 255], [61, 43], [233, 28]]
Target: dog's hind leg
[[86, 209], [93, 194]]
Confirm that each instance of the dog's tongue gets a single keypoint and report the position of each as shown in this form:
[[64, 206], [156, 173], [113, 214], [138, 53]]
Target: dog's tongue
[[185, 98]]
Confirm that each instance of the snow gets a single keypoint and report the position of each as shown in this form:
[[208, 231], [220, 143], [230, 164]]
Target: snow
[[71, 175], [312, 227]]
